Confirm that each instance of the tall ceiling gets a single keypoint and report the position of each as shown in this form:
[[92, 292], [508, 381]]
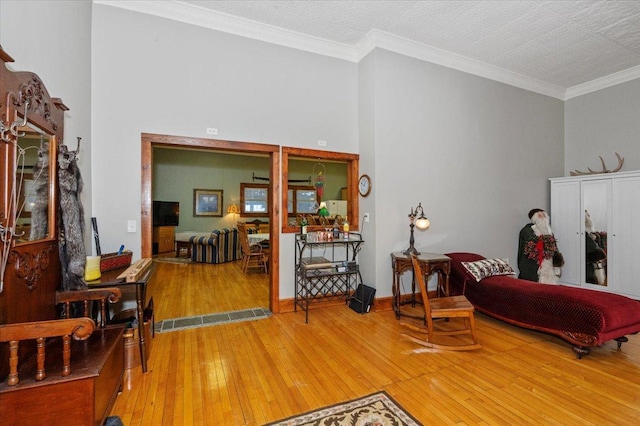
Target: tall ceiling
[[559, 48]]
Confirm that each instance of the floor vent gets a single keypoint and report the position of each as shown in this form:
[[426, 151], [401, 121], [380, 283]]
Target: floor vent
[[211, 319]]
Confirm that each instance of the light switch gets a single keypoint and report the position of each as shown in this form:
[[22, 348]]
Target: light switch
[[131, 226]]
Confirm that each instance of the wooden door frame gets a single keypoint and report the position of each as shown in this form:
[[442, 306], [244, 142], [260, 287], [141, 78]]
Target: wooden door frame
[[150, 141]]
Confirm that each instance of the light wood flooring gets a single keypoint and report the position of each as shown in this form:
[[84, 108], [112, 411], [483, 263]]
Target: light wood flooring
[[184, 290], [255, 372]]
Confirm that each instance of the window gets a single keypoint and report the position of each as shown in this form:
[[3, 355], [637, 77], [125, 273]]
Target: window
[[301, 200], [301, 197], [254, 199]]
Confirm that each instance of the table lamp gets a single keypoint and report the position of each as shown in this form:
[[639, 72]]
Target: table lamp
[[421, 222], [233, 209]]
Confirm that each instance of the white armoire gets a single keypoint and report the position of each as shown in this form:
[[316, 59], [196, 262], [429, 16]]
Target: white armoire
[[612, 202]]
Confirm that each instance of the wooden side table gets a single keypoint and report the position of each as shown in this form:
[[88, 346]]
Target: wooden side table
[[110, 279], [431, 263]]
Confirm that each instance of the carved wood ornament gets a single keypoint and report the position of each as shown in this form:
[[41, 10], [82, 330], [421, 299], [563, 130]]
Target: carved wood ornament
[[604, 168], [33, 94], [29, 266]]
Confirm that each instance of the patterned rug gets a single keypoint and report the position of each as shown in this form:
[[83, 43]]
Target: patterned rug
[[378, 409]]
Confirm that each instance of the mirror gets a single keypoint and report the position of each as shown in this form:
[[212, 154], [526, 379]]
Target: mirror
[[33, 185], [310, 177], [596, 219]]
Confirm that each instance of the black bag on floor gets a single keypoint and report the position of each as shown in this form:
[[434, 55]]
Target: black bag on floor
[[362, 299]]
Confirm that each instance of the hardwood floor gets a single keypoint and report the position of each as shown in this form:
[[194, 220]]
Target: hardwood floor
[[183, 290], [254, 372]]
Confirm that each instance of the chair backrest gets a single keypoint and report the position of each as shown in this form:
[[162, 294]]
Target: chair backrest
[[86, 299], [258, 226], [244, 237], [418, 274]]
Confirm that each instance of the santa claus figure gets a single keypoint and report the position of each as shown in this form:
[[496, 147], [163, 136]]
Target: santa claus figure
[[538, 256]]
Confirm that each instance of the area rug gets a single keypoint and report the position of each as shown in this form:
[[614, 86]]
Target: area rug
[[378, 409], [172, 259]]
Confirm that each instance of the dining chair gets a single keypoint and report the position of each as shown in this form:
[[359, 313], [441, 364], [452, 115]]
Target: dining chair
[[253, 255]]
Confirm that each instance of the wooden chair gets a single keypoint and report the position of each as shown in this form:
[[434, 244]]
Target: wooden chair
[[260, 226], [86, 298], [443, 307], [253, 255]]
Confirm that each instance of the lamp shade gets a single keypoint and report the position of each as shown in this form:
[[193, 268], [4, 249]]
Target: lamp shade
[[233, 208], [422, 223]]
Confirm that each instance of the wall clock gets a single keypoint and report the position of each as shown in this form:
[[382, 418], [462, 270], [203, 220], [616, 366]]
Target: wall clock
[[364, 185]]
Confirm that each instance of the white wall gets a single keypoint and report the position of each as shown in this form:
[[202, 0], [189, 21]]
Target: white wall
[[474, 152], [603, 123], [53, 39], [159, 76]]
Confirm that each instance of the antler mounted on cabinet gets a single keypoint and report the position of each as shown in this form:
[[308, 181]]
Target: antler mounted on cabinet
[[604, 168]]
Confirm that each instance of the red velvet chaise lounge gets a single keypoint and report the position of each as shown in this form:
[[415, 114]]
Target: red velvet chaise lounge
[[585, 318]]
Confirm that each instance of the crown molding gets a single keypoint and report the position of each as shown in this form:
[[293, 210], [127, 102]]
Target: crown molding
[[383, 40], [207, 18], [603, 82]]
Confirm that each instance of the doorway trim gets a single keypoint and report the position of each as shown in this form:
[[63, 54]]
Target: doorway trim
[[150, 140]]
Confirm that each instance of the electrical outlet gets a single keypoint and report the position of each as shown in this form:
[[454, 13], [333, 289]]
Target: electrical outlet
[[212, 131], [366, 218], [322, 143], [131, 226]]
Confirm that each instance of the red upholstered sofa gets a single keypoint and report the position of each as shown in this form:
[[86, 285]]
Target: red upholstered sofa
[[585, 318]]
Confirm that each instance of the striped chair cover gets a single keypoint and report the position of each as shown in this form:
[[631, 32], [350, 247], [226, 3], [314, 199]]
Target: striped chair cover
[[221, 246], [228, 245], [203, 249]]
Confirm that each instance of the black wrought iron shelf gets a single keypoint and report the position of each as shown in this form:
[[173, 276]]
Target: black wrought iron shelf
[[325, 270]]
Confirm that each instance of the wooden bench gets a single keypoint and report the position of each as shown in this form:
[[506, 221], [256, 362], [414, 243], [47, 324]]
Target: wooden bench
[[74, 373]]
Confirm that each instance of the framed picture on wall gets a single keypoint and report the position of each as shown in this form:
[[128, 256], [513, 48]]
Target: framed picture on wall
[[207, 202]]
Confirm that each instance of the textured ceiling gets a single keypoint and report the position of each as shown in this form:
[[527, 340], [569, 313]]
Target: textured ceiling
[[562, 44]]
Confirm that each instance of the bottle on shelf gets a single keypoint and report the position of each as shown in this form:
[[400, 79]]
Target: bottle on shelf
[[303, 225], [336, 231], [345, 229]]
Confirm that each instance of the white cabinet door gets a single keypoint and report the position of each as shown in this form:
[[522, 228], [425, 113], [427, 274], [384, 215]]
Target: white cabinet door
[[624, 241], [565, 223]]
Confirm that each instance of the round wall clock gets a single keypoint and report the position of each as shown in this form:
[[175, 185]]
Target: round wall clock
[[364, 185]]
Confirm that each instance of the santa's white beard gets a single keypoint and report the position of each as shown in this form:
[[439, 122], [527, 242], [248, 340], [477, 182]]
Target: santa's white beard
[[547, 273], [541, 225]]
